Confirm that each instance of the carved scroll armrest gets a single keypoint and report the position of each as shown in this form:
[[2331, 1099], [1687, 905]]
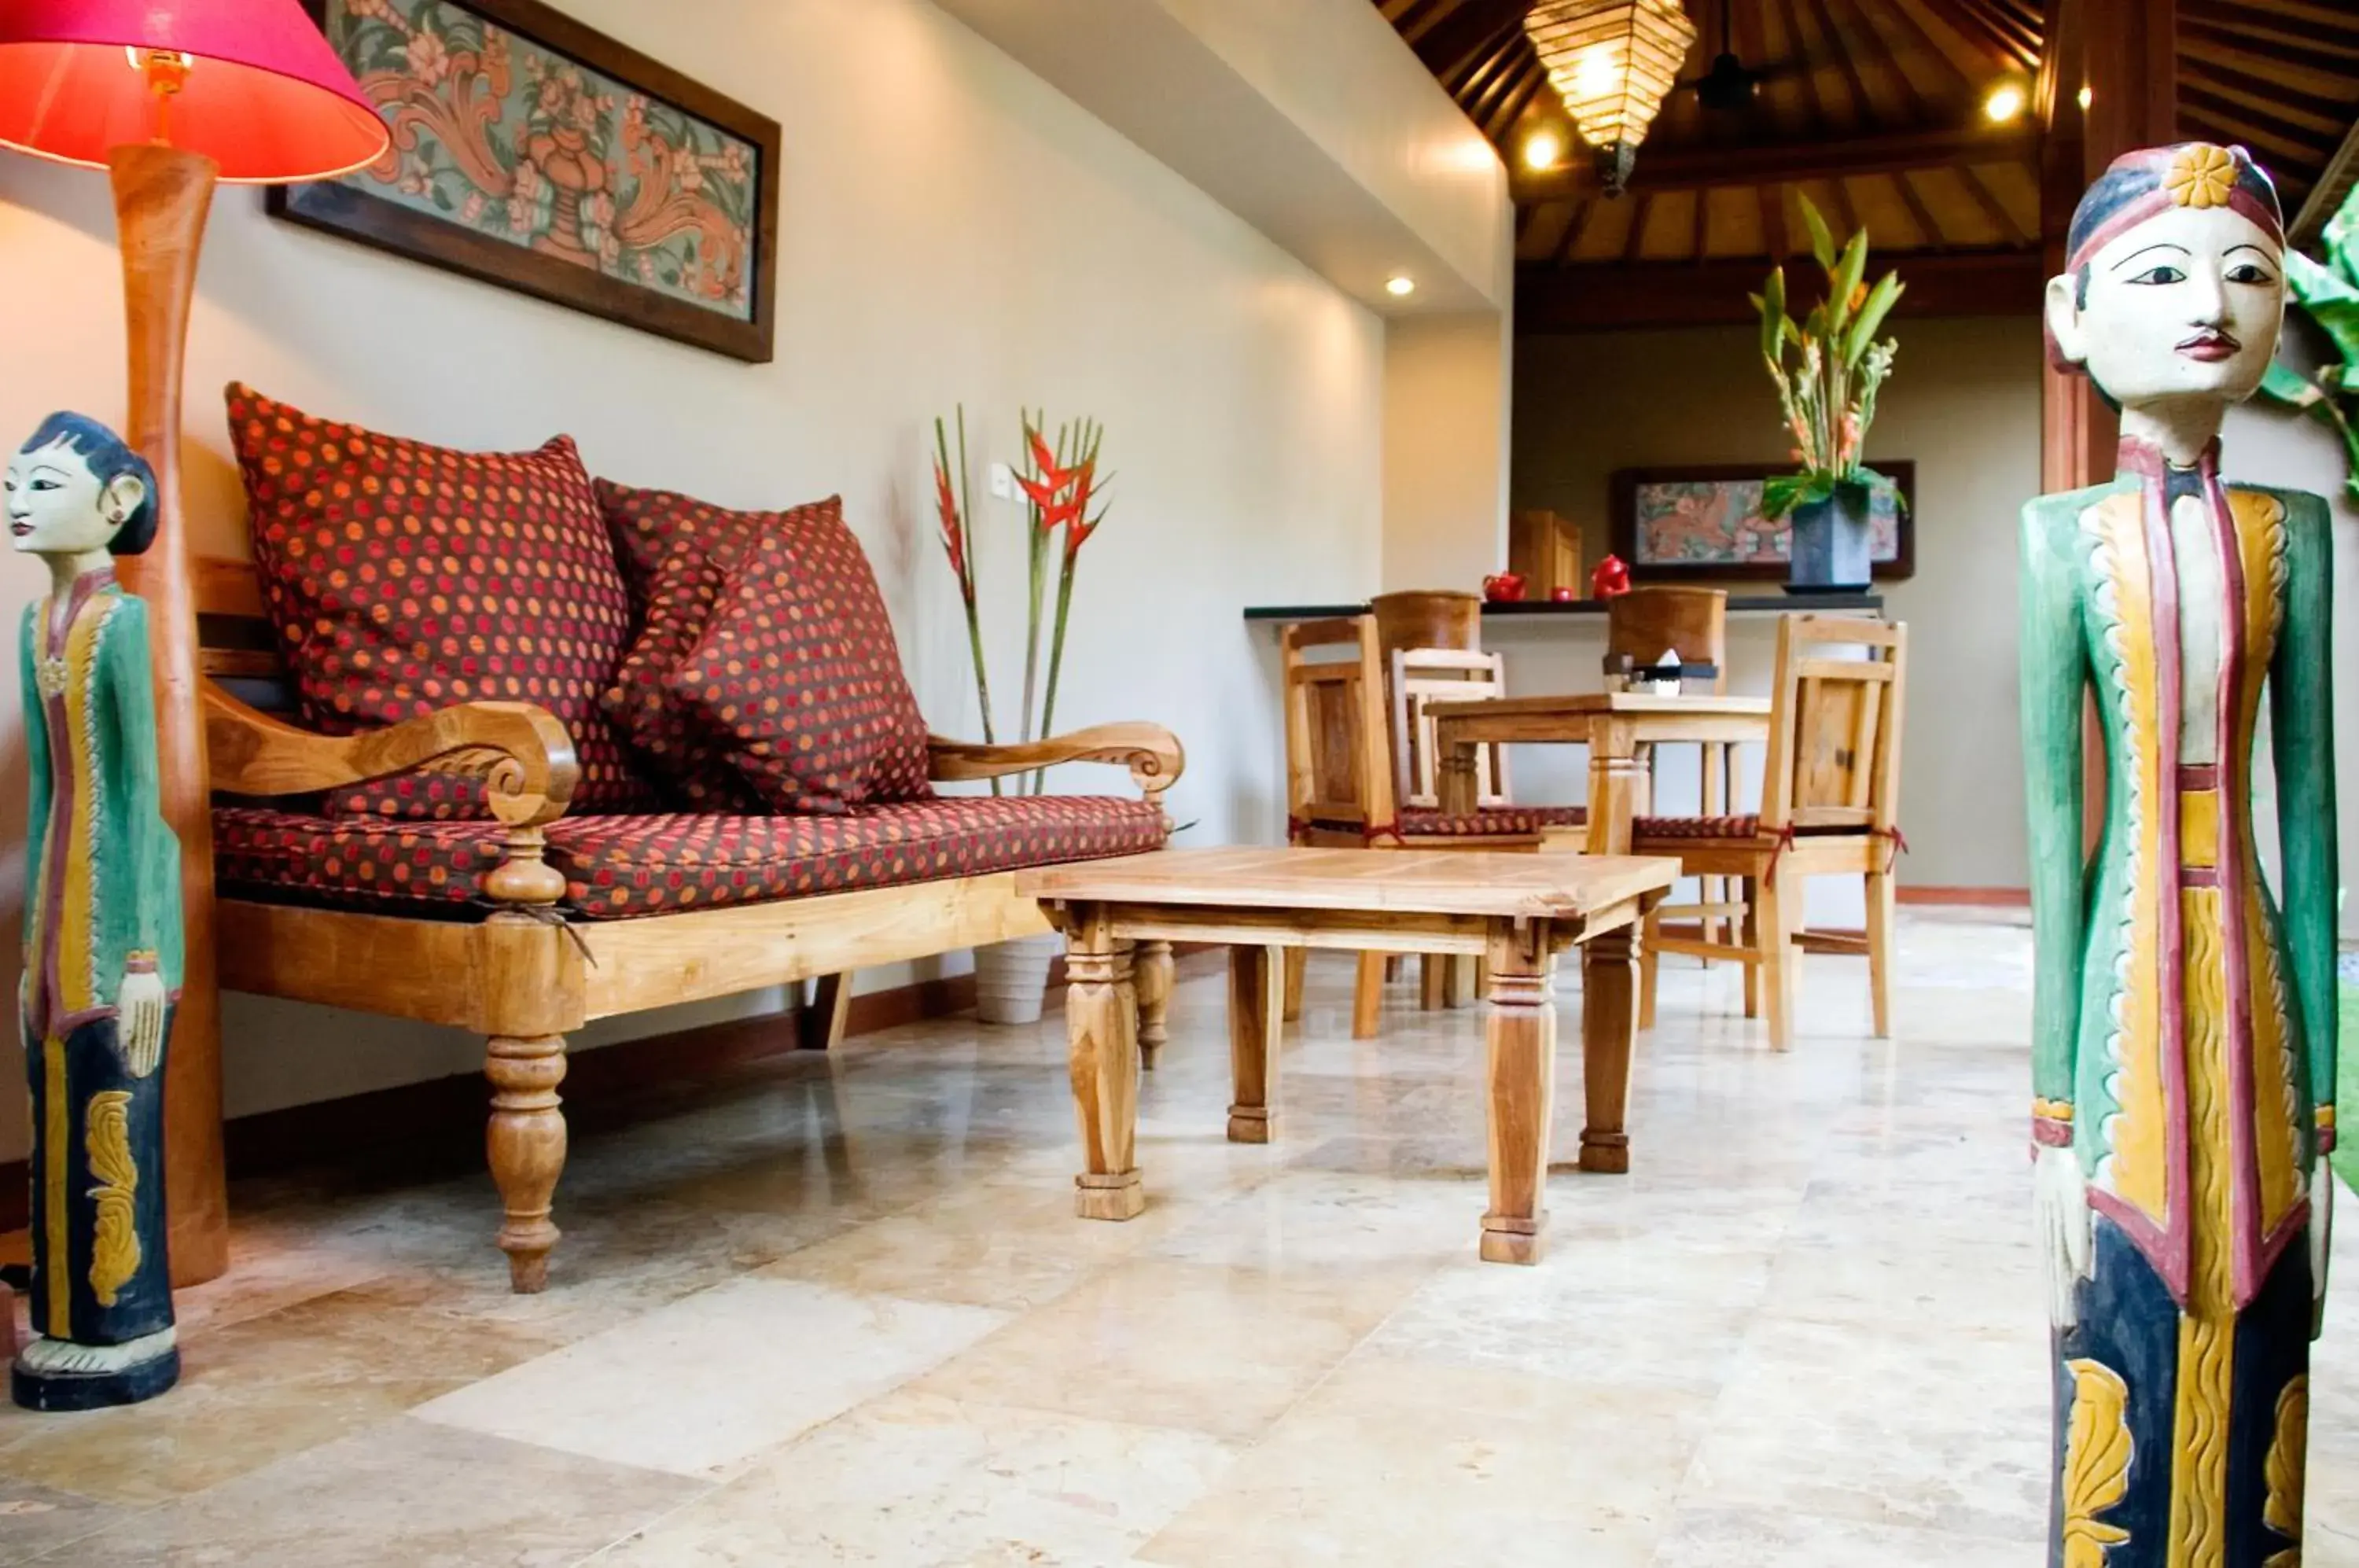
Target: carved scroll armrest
[[1151, 753], [521, 753]]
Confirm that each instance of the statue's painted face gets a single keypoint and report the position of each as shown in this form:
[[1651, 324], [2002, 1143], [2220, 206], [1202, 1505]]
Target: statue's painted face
[[2185, 305], [58, 506]]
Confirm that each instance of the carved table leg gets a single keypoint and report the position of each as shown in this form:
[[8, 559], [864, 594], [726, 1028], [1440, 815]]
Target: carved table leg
[[1521, 1039], [1102, 1035], [1153, 968], [1298, 962], [1609, 1021], [526, 1146], [1257, 1004]]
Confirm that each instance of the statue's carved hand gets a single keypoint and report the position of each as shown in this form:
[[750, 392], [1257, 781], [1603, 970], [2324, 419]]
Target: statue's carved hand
[[139, 1020], [2322, 1239], [2060, 1198]]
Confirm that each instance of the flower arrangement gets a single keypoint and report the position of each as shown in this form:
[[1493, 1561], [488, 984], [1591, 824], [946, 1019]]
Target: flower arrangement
[[1828, 393], [2328, 292], [1060, 484]]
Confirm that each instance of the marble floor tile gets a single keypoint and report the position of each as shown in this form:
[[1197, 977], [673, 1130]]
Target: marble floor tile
[[256, 1392], [703, 1386], [403, 1494], [1779, 1538], [1193, 1345], [1398, 1461], [918, 1481], [36, 1521]]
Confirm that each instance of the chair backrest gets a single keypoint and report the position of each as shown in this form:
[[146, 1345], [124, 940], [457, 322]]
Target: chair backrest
[[1834, 726], [1339, 770], [1694, 621], [1421, 677], [236, 645]]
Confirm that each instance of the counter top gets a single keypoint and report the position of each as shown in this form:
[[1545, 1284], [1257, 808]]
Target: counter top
[[1550, 609]]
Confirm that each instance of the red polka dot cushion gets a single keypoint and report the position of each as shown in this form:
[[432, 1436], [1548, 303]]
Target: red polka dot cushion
[[867, 697], [618, 867], [1421, 821], [679, 601], [403, 577]]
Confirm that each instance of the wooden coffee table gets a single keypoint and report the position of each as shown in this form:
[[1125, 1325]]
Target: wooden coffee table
[[1518, 912]]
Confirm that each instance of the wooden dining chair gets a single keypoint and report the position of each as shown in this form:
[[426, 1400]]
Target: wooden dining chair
[[1830, 806], [1645, 623], [1342, 788]]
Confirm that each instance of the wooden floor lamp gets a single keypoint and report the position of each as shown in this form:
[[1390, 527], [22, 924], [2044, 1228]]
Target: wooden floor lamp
[[170, 97]]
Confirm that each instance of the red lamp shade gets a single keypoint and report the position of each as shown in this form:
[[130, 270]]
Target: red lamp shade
[[264, 96]]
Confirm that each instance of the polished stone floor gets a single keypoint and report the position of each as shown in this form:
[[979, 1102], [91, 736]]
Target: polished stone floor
[[838, 1311]]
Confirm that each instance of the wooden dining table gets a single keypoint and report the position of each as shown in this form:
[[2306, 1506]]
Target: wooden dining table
[[1613, 725]]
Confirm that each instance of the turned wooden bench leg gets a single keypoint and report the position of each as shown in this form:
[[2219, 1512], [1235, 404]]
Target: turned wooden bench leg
[[1102, 1041], [822, 1011], [1257, 1006], [1521, 1038], [1152, 970], [527, 1146]]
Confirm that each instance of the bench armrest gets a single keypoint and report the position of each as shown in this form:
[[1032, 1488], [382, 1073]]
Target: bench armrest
[[1151, 753], [521, 752]]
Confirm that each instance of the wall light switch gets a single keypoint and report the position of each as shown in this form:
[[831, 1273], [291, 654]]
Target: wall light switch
[[1003, 482]]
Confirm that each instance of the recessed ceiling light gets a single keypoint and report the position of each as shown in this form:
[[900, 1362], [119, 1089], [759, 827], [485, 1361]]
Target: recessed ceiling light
[[2004, 102], [2088, 96], [1542, 149], [1401, 283]]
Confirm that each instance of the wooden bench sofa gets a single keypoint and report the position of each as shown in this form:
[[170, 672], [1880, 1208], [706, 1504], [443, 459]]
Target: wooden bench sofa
[[500, 926]]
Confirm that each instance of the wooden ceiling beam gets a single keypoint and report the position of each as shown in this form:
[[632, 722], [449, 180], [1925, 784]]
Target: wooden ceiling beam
[[1927, 224], [2334, 184], [1993, 208], [1635, 246], [1468, 34], [1754, 163], [1775, 237], [2315, 53], [2009, 47], [1573, 226], [2231, 83], [1591, 299], [1864, 110], [1807, 78]]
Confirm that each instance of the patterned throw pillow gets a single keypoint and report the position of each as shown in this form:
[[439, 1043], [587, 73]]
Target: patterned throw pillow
[[403, 577], [866, 722], [679, 602]]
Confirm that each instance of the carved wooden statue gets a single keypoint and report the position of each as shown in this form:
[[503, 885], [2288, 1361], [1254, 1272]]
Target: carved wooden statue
[[2183, 1060], [101, 931]]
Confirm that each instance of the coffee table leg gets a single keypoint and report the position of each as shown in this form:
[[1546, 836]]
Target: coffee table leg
[[1102, 1035], [1154, 967], [1256, 1006], [1609, 1027], [1522, 1039]]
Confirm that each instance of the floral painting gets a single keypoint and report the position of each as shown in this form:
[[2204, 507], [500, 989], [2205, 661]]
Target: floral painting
[[1708, 522], [507, 130]]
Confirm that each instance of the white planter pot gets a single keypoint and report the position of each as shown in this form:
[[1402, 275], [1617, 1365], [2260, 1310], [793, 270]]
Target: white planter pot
[[1011, 977]]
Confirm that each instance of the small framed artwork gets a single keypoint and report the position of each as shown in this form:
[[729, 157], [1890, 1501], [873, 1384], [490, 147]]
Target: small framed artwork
[[531, 152], [1671, 523]]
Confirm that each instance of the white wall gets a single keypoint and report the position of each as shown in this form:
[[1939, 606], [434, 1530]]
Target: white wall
[[1448, 395], [1964, 405], [1242, 397]]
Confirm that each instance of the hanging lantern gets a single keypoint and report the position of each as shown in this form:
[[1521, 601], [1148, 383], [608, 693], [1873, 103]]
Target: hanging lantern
[[1612, 61]]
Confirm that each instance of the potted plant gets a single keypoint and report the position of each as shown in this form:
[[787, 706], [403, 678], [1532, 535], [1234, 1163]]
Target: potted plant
[[1828, 389], [1060, 484]]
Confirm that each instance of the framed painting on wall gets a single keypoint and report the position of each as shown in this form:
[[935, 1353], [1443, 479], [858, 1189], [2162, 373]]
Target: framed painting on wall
[[532, 152], [1671, 523]]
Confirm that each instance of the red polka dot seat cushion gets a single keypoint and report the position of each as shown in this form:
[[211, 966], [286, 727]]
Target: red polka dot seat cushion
[[766, 670], [1748, 825], [403, 577], [1419, 821], [618, 867]]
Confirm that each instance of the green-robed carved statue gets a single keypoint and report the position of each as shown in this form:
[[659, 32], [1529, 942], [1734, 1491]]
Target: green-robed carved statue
[[101, 931], [2183, 1056]]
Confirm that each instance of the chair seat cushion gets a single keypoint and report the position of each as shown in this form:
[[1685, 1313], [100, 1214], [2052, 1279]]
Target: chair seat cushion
[[1691, 828], [1491, 821], [403, 577], [618, 867]]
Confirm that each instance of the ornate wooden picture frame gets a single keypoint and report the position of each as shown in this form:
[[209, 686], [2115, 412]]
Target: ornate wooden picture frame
[[535, 153], [1704, 521]]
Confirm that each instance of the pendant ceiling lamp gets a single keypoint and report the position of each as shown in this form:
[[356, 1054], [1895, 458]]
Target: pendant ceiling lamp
[[1612, 61]]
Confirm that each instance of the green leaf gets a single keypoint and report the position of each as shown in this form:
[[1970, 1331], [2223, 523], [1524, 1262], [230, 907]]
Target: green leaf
[[1872, 480], [2328, 300], [1822, 243], [2291, 387], [1771, 303], [1880, 301], [1845, 280], [1780, 494]]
